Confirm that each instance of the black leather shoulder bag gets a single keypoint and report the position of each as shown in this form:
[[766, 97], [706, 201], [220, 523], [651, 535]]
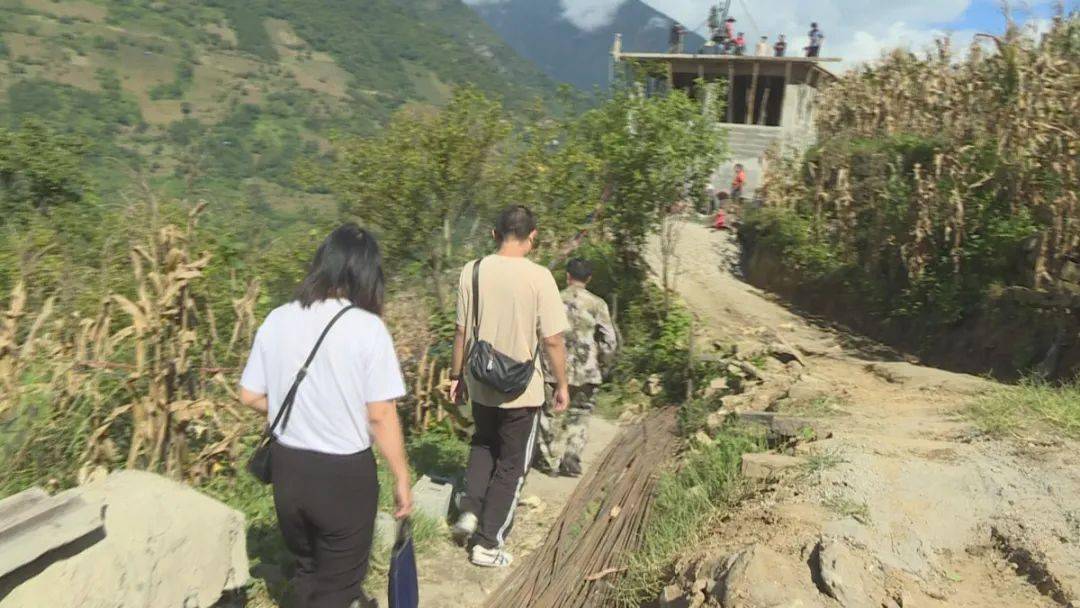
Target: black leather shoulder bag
[[259, 464], [489, 366]]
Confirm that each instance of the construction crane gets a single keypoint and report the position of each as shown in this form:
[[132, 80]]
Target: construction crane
[[721, 10]]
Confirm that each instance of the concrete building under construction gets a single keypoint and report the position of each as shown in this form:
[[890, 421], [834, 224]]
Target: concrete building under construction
[[771, 100]]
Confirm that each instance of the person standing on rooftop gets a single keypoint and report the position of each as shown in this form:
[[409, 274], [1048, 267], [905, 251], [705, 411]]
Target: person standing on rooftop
[[675, 40], [816, 38], [781, 46], [762, 49]]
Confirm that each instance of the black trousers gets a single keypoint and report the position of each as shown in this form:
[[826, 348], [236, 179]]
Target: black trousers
[[326, 508], [500, 454]]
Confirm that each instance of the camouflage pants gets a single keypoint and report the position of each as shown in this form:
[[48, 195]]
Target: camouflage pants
[[563, 435]]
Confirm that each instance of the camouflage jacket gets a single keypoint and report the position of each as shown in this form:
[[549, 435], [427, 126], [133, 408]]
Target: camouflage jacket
[[591, 341]]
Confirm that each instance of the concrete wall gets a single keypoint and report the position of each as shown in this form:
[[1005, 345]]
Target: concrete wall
[[748, 143]]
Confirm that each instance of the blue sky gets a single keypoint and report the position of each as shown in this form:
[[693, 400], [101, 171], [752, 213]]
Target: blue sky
[[986, 16]]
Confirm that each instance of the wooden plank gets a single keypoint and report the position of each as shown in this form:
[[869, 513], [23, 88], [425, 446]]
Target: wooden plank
[[752, 97], [730, 92]]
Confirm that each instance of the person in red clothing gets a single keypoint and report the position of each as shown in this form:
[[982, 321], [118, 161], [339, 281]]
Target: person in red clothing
[[737, 183]]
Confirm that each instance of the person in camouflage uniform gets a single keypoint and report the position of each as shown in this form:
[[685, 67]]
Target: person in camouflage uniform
[[590, 346]]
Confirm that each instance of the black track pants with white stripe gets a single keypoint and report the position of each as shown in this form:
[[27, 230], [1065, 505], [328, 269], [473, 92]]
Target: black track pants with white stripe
[[501, 450]]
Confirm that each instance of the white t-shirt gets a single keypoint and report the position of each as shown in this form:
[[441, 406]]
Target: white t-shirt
[[356, 365]]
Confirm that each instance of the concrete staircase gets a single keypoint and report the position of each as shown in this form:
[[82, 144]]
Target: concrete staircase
[[749, 142]]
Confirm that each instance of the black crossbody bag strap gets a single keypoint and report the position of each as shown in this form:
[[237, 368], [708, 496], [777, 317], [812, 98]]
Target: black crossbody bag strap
[[476, 301], [287, 403], [476, 309]]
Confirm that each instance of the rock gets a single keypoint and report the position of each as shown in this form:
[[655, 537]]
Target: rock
[[748, 349], [767, 466], [759, 577], [165, 546], [786, 429], [673, 597], [702, 439], [747, 370], [735, 402], [432, 498], [724, 347], [808, 389], [654, 385], [928, 378], [32, 524], [716, 386], [716, 420], [785, 353], [385, 530], [532, 502], [1070, 272], [844, 576]]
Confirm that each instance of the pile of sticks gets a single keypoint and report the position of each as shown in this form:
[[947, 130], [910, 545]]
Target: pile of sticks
[[600, 525]]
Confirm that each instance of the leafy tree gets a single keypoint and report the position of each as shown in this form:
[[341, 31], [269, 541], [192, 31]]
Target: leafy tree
[[425, 174], [653, 153], [39, 169]]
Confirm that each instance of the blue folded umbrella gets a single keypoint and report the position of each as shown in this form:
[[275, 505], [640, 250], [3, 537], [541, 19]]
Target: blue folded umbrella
[[403, 589]]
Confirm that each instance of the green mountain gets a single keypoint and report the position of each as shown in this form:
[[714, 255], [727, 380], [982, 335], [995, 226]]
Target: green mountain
[[540, 31], [197, 95]]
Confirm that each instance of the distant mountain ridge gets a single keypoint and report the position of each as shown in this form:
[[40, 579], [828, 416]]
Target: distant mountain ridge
[[539, 31]]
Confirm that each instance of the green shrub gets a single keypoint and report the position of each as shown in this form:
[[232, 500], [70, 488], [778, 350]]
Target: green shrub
[[686, 499]]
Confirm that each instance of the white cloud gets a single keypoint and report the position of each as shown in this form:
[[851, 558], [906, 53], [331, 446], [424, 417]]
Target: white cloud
[[590, 14], [586, 15]]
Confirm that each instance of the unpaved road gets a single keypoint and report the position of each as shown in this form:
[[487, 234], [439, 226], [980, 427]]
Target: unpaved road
[[448, 580], [933, 513]]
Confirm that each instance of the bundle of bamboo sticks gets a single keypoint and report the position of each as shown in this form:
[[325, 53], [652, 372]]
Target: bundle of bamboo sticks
[[600, 525]]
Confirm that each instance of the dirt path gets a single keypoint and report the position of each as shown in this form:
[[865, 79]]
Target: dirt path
[[929, 513], [448, 580]]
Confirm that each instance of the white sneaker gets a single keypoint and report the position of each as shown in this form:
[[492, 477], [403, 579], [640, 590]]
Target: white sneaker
[[490, 558], [464, 528]]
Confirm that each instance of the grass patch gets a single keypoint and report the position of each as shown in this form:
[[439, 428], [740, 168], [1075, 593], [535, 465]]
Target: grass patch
[[818, 463], [847, 507], [686, 500], [1032, 403], [820, 407]]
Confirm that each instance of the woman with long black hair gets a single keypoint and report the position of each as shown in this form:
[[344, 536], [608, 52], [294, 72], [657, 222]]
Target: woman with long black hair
[[325, 485]]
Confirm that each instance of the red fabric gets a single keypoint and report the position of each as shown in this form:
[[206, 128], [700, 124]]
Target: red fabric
[[719, 224], [739, 181]]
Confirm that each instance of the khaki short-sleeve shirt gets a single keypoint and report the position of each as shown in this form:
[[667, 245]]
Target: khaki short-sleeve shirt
[[519, 305]]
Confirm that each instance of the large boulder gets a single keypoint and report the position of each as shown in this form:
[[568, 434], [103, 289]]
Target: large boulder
[[165, 546], [845, 576], [760, 577]]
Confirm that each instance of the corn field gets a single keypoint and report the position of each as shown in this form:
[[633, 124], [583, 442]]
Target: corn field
[[137, 384], [947, 172], [149, 380]]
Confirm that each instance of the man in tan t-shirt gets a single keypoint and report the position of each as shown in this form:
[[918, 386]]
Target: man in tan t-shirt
[[520, 309]]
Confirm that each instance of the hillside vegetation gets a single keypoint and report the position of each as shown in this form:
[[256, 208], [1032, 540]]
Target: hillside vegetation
[[940, 181], [198, 96]]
